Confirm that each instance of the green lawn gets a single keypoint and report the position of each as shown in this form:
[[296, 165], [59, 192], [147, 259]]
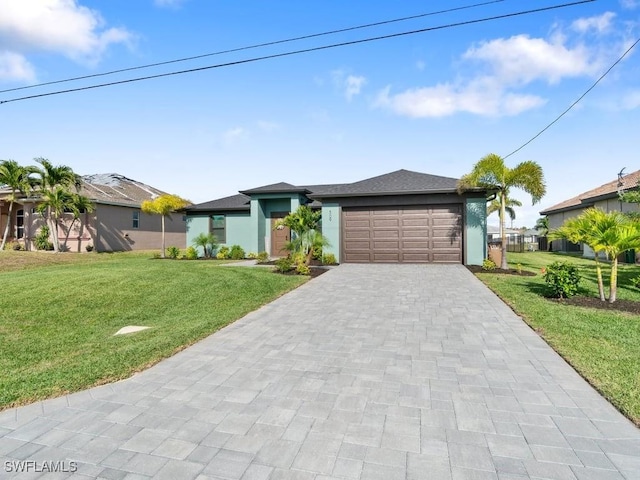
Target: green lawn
[[603, 346], [58, 314]]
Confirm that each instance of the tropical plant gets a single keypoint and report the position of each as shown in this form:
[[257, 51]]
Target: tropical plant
[[223, 253], [329, 259], [17, 179], [163, 205], [41, 240], [542, 226], [77, 205], [494, 206], [236, 252], [283, 265], [491, 173], [611, 233], [173, 252], [208, 242], [262, 257], [488, 265], [55, 183], [562, 279], [191, 253], [306, 238]]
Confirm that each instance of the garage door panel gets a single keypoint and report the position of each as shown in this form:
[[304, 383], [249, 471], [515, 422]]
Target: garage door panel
[[413, 234]]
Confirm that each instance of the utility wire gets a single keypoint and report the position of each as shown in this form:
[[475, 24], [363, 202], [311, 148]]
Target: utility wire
[[297, 52], [577, 101], [259, 45]]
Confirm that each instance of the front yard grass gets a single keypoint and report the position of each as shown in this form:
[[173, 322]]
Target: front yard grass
[[602, 345], [58, 314]]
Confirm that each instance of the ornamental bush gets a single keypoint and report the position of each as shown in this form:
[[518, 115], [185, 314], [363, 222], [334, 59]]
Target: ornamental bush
[[562, 279]]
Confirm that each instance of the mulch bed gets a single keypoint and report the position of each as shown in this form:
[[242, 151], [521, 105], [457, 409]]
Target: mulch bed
[[509, 271], [314, 271], [629, 306]]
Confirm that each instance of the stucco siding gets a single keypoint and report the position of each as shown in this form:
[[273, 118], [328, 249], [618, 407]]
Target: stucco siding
[[331, 228], [475, 231]]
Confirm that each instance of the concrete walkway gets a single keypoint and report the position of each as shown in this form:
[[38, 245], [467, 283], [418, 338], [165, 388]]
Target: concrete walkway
[[366, 372]]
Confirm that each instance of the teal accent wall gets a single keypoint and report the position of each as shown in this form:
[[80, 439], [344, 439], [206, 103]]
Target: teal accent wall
[[239, 230], [331, 228], [256, 225], [196, 224], [475, 230]]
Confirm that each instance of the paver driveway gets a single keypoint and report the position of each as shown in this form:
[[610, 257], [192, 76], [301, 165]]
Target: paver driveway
[[367, 372]]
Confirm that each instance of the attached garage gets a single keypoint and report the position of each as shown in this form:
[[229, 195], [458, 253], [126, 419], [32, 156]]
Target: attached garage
[[403, 234]]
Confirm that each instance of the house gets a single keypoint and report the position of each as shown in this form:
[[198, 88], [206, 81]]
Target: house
[[605, 197], [116, 224], [399, 217], [518, 240]]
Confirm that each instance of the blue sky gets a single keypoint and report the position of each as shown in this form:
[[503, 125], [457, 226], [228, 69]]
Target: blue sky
[[434, 102]]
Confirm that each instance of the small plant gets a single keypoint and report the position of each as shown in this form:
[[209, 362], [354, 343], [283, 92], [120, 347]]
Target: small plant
[[488, 265], [173, 252], [156, 256], [635, 281], [284, 265], [41, 240], [236, 252], [13, 246], [562, 279], [223, 253], [317, 252], [262, 257], [191, 253], [208, 242], [303, 269], [89, 248], [252, 255], [329, 259], [519, 268]]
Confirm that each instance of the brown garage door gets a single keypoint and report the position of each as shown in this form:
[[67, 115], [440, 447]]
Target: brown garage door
[[414, 234]]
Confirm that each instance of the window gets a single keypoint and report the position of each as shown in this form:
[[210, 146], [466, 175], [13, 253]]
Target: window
[[20, 224], [218, 228], [136, 219]]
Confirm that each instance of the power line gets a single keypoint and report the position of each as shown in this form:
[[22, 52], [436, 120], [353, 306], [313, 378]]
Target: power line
[[260, 45], [297, 52], [577, 101]]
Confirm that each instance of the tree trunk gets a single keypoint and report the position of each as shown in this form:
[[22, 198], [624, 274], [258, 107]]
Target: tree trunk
[[163, 254], [503, 236], [6, 228], [53, 230], [66, 237], [599, 275], [614, 280]]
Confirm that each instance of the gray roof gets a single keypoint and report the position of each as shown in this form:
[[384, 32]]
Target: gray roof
[[281, 187], [234, 202], [399, 182], [117, 189]]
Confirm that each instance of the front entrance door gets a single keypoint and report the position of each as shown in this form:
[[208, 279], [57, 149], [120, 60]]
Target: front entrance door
[[279, 236]]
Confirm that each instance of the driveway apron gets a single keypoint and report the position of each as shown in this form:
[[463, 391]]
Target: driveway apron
[[369, 372]]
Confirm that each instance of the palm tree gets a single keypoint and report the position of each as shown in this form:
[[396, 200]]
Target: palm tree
[[55, 183], [78, 204], [492, 173], [17, 179], [164, 205], [542, 226], [494, 206], [208, 242], [612, 233], [306, 237]]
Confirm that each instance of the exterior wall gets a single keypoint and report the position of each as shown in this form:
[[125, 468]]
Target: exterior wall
[[237, 225], [475, 231], [114, 230], [271, 206], [195, 225], [331, 213]]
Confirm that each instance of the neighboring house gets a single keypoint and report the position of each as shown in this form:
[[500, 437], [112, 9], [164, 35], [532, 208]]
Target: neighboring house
[[604, 197], [116, 224], [518, 240], [398, 217]]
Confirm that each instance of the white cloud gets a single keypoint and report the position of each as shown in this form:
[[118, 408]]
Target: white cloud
[[350, 84], [168, 3], [233, 135], [14, 67], [599, 24], [60, 26]]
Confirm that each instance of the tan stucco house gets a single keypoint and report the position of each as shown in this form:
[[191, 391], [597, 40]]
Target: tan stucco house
[[116, 224]]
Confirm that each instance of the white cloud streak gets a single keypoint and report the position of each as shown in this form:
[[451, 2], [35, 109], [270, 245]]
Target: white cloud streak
[[14, 67]]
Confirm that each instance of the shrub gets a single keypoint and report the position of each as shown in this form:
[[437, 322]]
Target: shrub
[[156, 256], [41, 240], [303, 269], [519, 268], [329, 259], [284, 265], [562, 279], [252, 255], [635, 281], [13, 246], [223, 253], [89, 248], [236, 252], [488, 264], [191, 254], [173, 252], [262, 257], [317, 252]]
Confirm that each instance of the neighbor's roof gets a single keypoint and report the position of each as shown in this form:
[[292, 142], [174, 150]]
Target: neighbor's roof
[[399, 182], [235, 202], [117, 189], [587, 199]]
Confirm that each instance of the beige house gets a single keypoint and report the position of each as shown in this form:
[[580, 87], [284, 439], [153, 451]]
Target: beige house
[[605, 197], [116, 224]]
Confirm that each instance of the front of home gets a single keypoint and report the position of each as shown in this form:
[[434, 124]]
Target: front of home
[[116, 223], [606, 197], [399, 217]]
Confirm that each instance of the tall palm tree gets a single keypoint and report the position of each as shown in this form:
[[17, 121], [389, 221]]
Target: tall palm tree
[[494, 206], [17, 179], [56, 183], [78, 204], [491, 173], [542, 225]]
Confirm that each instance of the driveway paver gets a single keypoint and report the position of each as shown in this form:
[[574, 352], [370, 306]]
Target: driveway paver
[[366, 372]]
